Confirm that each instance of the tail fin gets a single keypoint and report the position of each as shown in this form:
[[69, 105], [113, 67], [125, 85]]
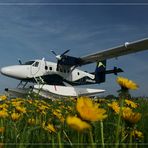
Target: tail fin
[[100, 72]]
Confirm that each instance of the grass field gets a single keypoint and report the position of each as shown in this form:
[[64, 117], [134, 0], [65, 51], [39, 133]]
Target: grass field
[[79, 122]]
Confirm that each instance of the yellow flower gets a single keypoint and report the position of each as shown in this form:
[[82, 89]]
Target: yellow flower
[[17, 103], [2, 129], [137, 134], [89, 110], [31, 121], [131, 103], [3, 113], [2, 98], [115, 106], [59, 115], [3, 106], [125, 83], [21, 109], [77, 124], [130, 116], [15, 116], [50, 128], [42, 108], [30, 101]]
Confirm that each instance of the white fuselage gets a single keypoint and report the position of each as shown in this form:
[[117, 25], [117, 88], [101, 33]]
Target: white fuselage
[[39, 68]]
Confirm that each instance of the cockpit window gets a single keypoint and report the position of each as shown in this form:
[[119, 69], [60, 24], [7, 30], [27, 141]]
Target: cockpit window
[[36, 64], [29, 63]]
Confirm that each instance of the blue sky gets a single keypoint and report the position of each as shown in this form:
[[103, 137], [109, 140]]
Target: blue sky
[[31, 31]]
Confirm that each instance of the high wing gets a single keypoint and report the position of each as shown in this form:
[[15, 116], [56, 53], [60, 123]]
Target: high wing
[[127, 48]]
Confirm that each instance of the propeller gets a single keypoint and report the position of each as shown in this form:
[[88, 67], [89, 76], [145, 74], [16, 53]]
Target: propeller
[[65, 52], [53, 52], [59, 57], [66, 60], [20, 62]]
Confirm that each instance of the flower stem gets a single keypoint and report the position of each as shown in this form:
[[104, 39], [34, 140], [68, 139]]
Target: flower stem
[[78, 141], [102, 134], [52, 141], [119, 121], [59, 139], [130, 142], [91, 138], [2, 135], [67, 138]]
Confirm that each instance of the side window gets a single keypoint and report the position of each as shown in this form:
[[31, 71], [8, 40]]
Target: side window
[[50, 68], [46, 67]]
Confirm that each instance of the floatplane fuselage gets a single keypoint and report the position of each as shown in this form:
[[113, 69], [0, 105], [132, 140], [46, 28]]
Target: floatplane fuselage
[[48, 72], [51, 79]]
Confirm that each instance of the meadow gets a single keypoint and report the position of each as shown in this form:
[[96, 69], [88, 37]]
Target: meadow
[[75, 122]]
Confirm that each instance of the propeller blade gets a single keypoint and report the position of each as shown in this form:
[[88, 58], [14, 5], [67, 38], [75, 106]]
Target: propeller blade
[[65, 52], [20, 62], [60, 57], [53, 52]]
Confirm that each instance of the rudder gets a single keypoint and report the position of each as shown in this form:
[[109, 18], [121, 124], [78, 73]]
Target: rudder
[[100, 71]]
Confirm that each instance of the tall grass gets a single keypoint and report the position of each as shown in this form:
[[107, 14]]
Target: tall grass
[[32, 126], [31, 122]]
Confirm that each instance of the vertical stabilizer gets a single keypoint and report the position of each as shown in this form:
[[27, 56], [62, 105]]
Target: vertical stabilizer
[[100, 71]]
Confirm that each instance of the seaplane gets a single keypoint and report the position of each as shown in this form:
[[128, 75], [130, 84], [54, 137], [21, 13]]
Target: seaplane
[[64, 78]]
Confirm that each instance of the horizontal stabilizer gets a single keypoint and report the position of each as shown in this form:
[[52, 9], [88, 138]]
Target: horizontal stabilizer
[[114, 71]]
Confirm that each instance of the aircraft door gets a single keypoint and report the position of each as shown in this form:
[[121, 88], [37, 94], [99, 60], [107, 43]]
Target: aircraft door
[[35, 67]]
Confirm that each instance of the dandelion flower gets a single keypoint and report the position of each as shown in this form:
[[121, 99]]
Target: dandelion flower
[[50, 128], [15, 116], [3, 106], [137, 134], [42, 108], [130, 116], [131, 103], [59, 116], [31, 121], [126, 84], [2, 98], [115, 106], [21, 109], [77, 124], [17, 103], [89, 110], [3, 113]]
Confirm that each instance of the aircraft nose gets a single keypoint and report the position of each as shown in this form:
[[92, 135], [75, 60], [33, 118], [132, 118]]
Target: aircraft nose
[[16, 71], [5, 71]]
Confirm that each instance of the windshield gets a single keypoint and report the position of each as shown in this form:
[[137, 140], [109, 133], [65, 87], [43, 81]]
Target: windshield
[[29, 63], [36, 64]]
